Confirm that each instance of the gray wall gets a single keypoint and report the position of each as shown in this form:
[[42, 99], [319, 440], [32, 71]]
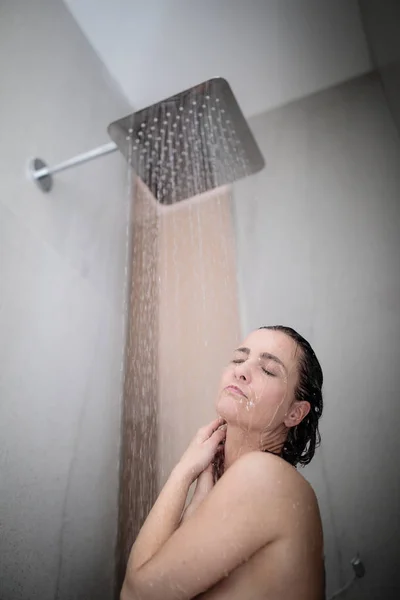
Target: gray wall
[[62, 261], [381, 20], [318, 248]]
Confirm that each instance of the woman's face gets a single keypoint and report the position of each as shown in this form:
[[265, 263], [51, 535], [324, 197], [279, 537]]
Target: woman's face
[[257, 387]]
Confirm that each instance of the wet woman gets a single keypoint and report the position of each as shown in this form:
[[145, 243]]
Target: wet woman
[[252, 530]]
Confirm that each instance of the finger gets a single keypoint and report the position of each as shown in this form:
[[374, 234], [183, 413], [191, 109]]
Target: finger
[[209, 429], [218, 437]]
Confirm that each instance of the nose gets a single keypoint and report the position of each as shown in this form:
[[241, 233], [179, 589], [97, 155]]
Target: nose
[[243, 371]]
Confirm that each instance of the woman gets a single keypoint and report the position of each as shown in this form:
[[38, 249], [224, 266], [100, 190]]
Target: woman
[[252, 530]]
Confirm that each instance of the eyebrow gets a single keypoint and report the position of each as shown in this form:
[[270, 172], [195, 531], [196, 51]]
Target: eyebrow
[[266, 355]]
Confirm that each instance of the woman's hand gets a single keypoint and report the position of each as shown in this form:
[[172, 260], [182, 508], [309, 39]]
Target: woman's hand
[[205, 482], [202, 450]]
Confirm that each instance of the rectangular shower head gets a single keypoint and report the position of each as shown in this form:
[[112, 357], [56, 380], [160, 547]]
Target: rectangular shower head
[[189, 143]]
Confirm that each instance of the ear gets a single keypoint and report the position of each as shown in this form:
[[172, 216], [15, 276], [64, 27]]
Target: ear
[[296, 413]]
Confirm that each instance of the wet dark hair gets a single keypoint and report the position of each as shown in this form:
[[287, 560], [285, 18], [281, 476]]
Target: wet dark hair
[[304, 438]]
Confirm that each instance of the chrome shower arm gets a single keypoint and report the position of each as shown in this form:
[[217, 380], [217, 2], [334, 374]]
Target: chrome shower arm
[[41, 173]]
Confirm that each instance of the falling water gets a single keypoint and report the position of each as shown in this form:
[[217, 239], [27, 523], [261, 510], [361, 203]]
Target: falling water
[[182, 299]]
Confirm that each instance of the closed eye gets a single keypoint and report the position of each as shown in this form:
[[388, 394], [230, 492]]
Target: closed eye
[[237, 361], [268, 372]]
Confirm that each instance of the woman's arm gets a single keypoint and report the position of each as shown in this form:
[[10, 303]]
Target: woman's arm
[[165, 516], [163, 519]]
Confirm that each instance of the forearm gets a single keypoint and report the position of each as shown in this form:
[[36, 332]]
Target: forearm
[[162, 520]]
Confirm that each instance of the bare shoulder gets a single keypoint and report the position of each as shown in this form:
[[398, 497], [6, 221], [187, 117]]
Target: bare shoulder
[[274, 477]]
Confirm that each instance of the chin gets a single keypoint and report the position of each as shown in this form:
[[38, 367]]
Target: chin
[[235, 411]]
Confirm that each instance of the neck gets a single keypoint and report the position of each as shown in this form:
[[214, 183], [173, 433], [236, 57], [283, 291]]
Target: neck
[[239, 442]]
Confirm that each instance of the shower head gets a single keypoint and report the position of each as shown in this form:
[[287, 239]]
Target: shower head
[[181, 147], [189, 143]]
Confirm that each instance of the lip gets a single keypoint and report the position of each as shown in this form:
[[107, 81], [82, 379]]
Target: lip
[[236, 390]]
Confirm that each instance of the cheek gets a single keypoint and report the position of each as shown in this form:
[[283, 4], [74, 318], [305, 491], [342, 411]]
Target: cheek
[[265, 387], [269, 393], [226, 377]]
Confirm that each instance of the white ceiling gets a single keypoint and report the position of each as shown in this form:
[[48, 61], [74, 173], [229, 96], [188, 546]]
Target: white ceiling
[[270, 51]]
